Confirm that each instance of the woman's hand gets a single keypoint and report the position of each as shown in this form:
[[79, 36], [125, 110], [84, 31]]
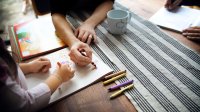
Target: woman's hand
[[172, 4], [76, 56], [192, 33], [86, 33]]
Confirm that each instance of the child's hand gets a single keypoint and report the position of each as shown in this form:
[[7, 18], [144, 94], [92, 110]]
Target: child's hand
[[65, 72], [39, 65], [86, 33]]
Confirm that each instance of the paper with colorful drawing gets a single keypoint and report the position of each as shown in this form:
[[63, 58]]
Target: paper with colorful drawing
[[36, 37]]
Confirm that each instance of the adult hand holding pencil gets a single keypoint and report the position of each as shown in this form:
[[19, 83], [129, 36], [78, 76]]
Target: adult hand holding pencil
[[83, 53]]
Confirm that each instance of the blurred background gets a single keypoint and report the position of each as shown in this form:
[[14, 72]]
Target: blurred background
[[12, 12], [16, 11]]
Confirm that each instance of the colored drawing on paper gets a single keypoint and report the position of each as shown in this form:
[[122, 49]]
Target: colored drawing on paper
[[27, 45]]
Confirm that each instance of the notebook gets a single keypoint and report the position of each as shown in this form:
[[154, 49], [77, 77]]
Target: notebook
[[84, 76], [36, 37], [177, 20]]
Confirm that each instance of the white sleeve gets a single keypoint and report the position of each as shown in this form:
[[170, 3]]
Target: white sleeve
[[15, 98]]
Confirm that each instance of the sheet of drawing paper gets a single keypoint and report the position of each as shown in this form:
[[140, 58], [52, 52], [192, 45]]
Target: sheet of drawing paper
[[83, 77]]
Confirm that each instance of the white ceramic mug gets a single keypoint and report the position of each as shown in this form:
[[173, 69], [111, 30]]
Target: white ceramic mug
[[117, 21]]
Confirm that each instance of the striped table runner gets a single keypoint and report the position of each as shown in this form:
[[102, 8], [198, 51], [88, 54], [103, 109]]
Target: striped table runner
[[166, 73]]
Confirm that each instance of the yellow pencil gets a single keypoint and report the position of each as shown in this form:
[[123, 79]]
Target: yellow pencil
[[114, 78], [121, 91], [114, 74]]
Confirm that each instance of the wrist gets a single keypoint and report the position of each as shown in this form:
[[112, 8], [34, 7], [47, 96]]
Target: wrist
[[59, 78], [90, 24], [70, 40], [26, 68], [53, 82], [73, 42], [29, 67]]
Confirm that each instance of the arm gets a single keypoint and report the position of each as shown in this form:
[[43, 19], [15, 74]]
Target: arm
[[38, 65], [86, 32], [63, 29], [18, 98], [65, 33], [99, 14], [43, 65], [62, 74]]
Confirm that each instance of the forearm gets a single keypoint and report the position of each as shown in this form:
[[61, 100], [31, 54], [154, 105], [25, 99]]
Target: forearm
[[53, 82], [25, 67], [100, 13], [63, 29]]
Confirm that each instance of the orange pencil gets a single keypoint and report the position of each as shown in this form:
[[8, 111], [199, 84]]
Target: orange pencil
[[115, 74]]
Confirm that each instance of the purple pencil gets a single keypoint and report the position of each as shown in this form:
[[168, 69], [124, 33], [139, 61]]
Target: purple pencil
[[120, 85]]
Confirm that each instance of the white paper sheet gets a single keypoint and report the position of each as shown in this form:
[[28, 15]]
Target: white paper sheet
[[83, 75], [177, 20]]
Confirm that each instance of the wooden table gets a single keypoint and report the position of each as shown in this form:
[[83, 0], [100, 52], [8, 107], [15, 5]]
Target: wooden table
[[95, 98]]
